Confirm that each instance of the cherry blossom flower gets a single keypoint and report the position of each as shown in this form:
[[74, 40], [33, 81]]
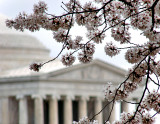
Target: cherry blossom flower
[[65, 22], [35, 67], [142, 22], [109, 92], [144, 107], [97, 36], [134, 55], [81, 19], [127, 118], [70, 44], [77, 42], [130, 86], [9, 23], [61, 35], [111, 49], [39, 8], [32, 23], [89, 49], [153, 48], [153, 100], [98, 17], [85, 120], [73, 6], [68, 59], [113, 19], [121, 94], [121, 34], [84, 58], [158, 69], [128, 11], [147, 119], [134, 76]]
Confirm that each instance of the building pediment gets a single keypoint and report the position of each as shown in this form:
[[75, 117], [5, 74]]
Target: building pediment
[[96, 70]]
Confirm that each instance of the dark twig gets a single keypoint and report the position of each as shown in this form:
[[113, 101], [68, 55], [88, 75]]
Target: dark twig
[[146, 85]]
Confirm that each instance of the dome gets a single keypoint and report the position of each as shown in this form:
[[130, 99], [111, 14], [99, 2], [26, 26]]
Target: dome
[[18, 49]]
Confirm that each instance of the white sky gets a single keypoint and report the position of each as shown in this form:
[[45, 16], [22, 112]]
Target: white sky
[[11, 8]]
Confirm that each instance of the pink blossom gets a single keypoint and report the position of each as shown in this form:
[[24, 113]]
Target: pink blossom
[[68, 59], [39, 8], [35, 67], [98, 17], [97, 36], [111, 49], [84, 58]]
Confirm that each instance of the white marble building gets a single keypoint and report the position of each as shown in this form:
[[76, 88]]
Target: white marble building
[[56, 94]]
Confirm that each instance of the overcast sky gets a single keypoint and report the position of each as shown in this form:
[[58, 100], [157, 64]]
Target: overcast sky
[[11, 8]]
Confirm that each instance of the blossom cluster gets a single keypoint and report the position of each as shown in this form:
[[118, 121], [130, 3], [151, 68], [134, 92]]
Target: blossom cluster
[[109, 93], [112, 93], [68, 59], [85, 120], [153, 101], [111, 50], [98, 17], [127, 118], [35, 67], [121, 33], [111, 14], [135, 77]]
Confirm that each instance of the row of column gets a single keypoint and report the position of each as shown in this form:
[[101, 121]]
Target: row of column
[[38, 110], [23, 110], [124, 107], [53, 111], [82, 107]]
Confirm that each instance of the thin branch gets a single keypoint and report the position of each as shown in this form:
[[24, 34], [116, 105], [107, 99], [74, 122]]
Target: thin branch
[[146, 85], [64, 8], [127, 3], [153, 12], [155, 114], [100, 110], [64, 45]]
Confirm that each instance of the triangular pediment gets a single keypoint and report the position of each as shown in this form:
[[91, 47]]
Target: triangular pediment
[[96, 70]]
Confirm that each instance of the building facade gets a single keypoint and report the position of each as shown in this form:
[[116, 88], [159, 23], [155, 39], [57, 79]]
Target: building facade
[[56, 94], [60, 96]]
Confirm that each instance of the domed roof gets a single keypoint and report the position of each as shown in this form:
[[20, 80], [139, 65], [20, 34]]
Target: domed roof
[[21, 39], [17, 48]]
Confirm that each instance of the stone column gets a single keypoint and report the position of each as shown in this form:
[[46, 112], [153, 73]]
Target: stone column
[[5, 110], [113, 114], [82, 107], [53, 109], [125, 107], [98, 108], [22, 106], [38, 109], [68, 110]]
